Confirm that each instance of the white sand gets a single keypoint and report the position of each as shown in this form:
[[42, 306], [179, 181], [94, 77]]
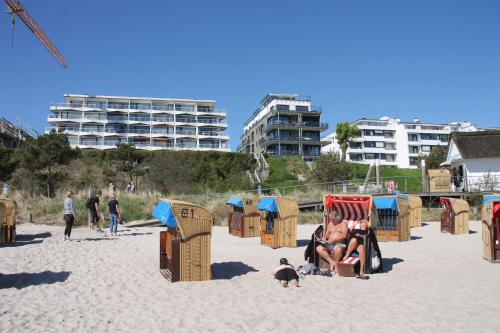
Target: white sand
[[438, 282]]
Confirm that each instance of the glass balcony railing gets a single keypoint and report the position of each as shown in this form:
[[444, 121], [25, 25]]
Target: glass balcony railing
[[163, 144], [185, 120], [117, 118], [64, 116], [139, 118], [139, 131], [162, 131], [185, 132], [211, 133], [138, 106], [212, 121], [185, 145], [164, 119]]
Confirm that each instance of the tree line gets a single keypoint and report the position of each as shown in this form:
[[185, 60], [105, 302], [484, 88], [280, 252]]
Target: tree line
[[48, 164]]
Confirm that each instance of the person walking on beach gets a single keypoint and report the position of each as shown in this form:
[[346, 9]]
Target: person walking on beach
[[69, 215], [114, 215], [94, 210], [285, 274]]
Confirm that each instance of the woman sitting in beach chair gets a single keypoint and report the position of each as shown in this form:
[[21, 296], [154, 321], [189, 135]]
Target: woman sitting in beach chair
[[358, 231]]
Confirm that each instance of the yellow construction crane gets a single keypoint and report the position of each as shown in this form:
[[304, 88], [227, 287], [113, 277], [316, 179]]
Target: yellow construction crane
[[15, 7]]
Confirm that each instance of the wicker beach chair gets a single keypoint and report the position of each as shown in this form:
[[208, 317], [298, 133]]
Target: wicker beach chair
[[415, 203], [8, 211], [243, 218], [353, 208], [439, 180], [185, 245], [454, 216], [394, 218], [490, 216], [278, 222]]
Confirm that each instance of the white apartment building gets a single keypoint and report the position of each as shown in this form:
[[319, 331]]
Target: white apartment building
[[394, 142], [102, 122]]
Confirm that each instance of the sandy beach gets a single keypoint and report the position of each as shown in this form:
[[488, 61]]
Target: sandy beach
[[435, 282]]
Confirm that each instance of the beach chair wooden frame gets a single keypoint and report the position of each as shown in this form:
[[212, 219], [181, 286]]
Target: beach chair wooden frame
[[284, 230], [350, 207], [490, 216], [454, 216], [8, 212], [439, 180], [244, 222], [394, 226], [185, 249], [415, 203]]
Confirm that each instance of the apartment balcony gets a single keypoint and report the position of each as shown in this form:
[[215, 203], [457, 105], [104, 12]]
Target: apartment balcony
[[133, 107], [52, 117], [310, 110], [213, 134], [212, 122], [185, 132], [377, 150], [290, 140], [433, 143], [162, 132], [138, 132], [375, 138]]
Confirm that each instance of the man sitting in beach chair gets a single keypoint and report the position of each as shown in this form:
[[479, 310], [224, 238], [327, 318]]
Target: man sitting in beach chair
[[333, 242], [358, 230]]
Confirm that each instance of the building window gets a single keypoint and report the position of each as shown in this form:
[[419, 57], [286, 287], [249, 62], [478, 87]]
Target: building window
[[374, 144], [412, 137], [426, 148], [390, 146], [301, 108], [282, 107], [355, 145], [356, 157], [390, 157], [413, 161], [429, 136], [413, 150]]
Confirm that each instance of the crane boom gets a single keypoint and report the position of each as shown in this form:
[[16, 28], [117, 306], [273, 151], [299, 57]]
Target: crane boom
[[16, 8]]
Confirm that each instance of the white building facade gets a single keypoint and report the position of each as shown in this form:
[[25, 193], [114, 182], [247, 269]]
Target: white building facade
[[102, 122], [394, 142]]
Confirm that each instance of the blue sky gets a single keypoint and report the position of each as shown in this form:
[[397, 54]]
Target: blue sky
[[436, 60]]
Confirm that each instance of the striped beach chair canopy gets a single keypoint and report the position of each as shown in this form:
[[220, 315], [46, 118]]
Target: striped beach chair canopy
[[352, 208]]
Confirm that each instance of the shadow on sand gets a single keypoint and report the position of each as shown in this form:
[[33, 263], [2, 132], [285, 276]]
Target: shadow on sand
[[22, 240], [136, 234], [472, 232], [88, 239], [23, 280], [424, 224], [387, 263], [27, 238], [230, 269], [415, 237]]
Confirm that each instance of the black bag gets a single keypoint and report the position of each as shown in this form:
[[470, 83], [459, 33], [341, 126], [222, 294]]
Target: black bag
[[88, 204]]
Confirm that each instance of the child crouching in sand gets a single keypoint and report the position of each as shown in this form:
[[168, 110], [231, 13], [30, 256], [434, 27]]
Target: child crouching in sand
[[285, 273]]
